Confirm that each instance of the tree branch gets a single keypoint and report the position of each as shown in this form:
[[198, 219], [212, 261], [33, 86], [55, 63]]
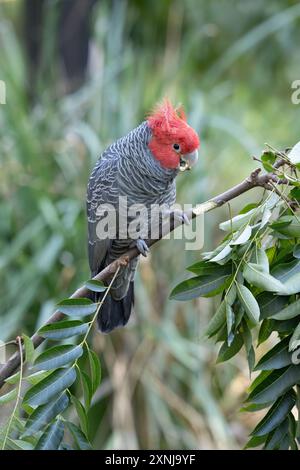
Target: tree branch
[[253, 181]]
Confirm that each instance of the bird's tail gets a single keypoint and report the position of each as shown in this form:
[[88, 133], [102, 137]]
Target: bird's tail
[[115, 313]]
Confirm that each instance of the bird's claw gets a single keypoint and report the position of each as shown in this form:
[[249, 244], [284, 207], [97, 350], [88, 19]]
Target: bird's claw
[[142, 247], [183, 218], [177, 214]]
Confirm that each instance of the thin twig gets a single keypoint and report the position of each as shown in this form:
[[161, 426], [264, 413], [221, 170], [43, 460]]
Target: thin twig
[[19, 341]]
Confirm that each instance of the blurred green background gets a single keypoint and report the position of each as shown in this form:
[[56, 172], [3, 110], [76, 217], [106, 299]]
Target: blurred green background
[[78, 75]]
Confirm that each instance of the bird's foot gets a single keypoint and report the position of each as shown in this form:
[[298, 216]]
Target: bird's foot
[[142, 246], [177, 214], [123, 261]]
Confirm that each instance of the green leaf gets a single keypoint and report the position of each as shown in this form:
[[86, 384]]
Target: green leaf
[[290, 226], [52, 437], [285, 327], [272, 201], [223, 250], [16, 426], [260, 258], [267, 214], [35, 378], [86, 387], [284, 443], [274, 438], [221, 255], [63, 329], [243, 237], [249, 303], [270, 304], [18, 444], [297, 432], [29, 348], [217, 320], [246, 332], [284, 221], [293, 445], [272, 254], [95, 286], [222, 334], [95, 368], [200, 286], [13, 379], [268, 167], [276, 358], [294, 154], [255, 442], [292, 423], [256, 276], [248, 208], [280, 236], [291, 311], [258, 380], [79, 438], [9, 396], [201, 268], [268, 159], [253, 407], [276, 384], [51, 386], [57, 356], [44, 414], [229, 322], [65, 446], [239, 252], [27, 408], [231, 294], [285, 271], [82, 415], [295, 339], [292, 285], [239, 315], [226, 352], [77, 307], [296, 251], [238, 221], [265, 331], [295, 193]]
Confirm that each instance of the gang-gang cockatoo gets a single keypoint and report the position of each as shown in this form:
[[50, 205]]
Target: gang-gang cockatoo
[[139, 168]]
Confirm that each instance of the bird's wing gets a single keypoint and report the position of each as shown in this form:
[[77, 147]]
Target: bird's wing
[[102, 190]]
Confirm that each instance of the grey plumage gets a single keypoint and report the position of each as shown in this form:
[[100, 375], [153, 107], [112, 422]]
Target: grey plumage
[[125, 168]]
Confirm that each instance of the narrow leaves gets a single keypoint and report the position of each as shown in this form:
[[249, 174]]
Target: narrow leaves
[[52, 437], [249, 303], [63, 329], [57, 356], [77, 307], [49, 387]]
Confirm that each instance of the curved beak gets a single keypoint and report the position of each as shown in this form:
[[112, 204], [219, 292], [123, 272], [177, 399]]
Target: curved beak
[[188, 160]]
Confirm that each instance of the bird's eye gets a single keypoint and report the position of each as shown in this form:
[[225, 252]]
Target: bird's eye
[[176, 147]]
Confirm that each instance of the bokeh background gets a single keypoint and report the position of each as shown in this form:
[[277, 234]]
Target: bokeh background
[[79, 74]]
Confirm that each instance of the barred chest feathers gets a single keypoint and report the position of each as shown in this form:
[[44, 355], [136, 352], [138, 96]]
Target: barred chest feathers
[[140, 176]]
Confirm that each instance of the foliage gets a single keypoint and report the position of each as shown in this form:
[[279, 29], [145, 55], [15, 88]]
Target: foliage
[[256, 270], [52, 378], [231, 64]]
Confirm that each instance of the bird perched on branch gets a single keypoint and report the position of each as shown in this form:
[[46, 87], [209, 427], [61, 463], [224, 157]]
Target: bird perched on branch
[[137, 171]]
